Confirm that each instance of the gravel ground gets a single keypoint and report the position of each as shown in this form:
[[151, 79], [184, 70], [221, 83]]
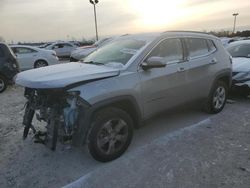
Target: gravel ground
[[170, 151]]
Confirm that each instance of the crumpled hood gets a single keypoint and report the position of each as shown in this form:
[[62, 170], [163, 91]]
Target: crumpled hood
[[241, 64], [62, 75]]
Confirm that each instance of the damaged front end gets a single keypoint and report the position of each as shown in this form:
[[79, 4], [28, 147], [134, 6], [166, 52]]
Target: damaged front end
[[59, 110]]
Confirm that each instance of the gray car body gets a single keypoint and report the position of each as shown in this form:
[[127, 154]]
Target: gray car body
[[148, 91]]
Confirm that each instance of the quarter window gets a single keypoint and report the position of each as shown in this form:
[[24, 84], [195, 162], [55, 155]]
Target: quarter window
[[170, 50], [196, 47], [211, 46]]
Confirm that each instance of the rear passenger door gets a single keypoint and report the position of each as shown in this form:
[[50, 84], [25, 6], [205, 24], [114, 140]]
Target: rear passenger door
[[201, 63]]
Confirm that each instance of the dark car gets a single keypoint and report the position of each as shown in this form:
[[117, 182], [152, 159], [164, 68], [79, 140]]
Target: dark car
[[8, 66]]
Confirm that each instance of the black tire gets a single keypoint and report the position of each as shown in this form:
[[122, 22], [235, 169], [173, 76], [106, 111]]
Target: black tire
[[3, 84], [40, 63], [213, 107], [116, 138]]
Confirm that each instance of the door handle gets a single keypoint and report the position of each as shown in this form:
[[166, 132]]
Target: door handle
[[181, 69]]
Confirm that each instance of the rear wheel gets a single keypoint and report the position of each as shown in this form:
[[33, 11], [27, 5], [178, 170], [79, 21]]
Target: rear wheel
[[217, 98], [3, 84], [40, 63], [110, 135]]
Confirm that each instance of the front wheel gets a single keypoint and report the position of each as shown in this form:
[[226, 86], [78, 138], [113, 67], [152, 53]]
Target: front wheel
[[217, 98], [110, 134]]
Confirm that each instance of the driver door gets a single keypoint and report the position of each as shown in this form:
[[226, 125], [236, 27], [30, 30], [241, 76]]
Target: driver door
[[163, 88]]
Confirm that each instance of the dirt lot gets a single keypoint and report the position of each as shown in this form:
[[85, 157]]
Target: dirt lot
[[171, 149]]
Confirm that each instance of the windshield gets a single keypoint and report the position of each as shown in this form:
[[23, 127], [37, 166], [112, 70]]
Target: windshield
[[242, 50], [120, 51]]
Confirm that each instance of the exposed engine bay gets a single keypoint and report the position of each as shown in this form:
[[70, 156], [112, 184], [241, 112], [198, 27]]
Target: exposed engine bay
[[58, 109]]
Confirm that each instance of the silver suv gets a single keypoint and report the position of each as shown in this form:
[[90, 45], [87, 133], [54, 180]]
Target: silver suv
[[100, 100]]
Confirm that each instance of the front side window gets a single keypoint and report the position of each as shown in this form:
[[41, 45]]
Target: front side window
[[240, 50], [119, 51], [169, 50], [196, 47]]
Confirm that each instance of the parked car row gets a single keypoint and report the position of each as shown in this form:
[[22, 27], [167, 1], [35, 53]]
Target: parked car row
[[30, 57]]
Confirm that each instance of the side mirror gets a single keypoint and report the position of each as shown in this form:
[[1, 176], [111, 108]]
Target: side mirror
[[153, 62]]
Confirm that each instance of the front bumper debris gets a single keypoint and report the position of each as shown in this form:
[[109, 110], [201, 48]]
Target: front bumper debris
[[58, 109]]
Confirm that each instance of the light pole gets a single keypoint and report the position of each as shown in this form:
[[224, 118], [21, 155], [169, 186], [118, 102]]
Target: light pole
[[235, 15], [94, 2]]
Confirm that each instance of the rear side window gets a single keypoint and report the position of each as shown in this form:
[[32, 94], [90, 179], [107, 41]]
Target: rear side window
[[170, 50], [196, 47]]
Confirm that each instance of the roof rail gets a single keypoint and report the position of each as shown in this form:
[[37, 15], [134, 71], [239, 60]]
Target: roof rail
[[186, 31]]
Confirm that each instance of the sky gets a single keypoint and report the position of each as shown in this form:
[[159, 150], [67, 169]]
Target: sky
[[47, 20]]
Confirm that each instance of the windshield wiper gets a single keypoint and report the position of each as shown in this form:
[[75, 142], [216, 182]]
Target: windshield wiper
[[93, 62]]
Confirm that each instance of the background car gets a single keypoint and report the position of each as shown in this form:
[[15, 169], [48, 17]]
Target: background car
[[44, 45], [30, 57], [8, 66], [81, 52], [62, 49], [240, 52]]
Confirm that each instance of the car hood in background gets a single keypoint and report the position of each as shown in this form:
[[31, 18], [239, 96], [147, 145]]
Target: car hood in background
[[60, 76], [241, 64], [82, 52]]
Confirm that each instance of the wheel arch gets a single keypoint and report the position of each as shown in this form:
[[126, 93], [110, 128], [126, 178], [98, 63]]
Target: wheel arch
[[225, 76], [126, 103]]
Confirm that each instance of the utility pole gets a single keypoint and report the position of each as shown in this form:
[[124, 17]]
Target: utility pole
[[235, 16], [94, 2]]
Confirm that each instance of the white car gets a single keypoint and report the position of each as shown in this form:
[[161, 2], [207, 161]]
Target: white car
[[62, 49], [81, 52], [240, 52], [30, 57]]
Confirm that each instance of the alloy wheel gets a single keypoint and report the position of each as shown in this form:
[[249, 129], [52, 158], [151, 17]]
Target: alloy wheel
[[112, 136], [219, 97]]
